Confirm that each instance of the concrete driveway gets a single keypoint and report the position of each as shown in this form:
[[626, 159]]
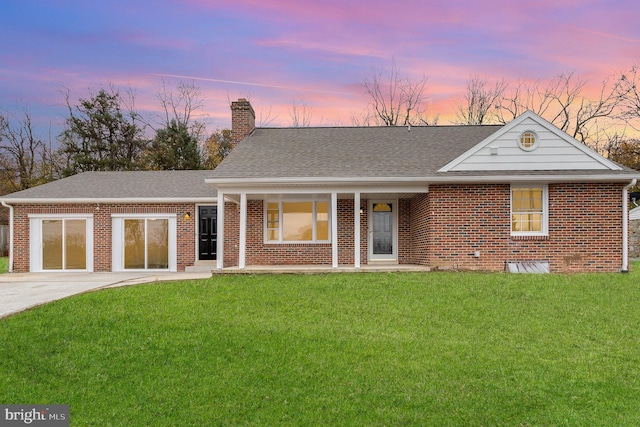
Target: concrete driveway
[[20, 291]]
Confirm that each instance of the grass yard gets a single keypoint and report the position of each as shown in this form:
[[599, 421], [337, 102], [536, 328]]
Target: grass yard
[[4, 264], [435, 349]]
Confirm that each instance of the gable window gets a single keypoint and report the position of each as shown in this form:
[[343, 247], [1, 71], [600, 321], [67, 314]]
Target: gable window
[[297, 221], [529, 210], [528, 140]]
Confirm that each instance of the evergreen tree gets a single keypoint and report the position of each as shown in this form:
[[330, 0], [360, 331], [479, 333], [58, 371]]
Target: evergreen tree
[[99, 136], [174, 148]]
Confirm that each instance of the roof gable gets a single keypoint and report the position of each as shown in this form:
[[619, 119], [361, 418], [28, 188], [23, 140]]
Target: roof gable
[[555, 150]]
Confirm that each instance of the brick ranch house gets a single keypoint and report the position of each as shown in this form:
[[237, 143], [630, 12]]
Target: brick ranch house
[[465, 197]]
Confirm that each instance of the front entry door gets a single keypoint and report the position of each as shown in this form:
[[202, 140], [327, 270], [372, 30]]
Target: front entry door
[[383, 242], [207, 232]]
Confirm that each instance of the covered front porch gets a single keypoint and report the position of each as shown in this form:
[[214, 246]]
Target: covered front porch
[[313, 229]]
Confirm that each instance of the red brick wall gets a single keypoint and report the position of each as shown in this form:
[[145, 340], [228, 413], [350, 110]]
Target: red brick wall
[[420, 229], [231, 234], [442, 229], [364, 231], [102, 229], [404, 232], [585, 228], [260, 253]]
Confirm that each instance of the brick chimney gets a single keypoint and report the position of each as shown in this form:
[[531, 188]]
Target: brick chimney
[[243, 120]]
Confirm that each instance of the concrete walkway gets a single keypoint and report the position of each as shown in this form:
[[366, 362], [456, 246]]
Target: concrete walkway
[[20, 291]]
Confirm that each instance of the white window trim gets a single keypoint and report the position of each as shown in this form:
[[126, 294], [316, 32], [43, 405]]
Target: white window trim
[[35, 241], [535, 145], [117, 240], [545, 210], [280, 240]]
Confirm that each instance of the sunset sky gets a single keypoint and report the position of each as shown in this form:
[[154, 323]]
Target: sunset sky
[[317, 54]]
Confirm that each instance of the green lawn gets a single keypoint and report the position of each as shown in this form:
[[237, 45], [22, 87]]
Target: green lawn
[[4, 264], [434, 349]]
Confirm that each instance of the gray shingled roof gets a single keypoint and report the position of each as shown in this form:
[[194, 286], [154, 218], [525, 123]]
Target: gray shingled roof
[[367, 152], [153, 185], [349, 152]]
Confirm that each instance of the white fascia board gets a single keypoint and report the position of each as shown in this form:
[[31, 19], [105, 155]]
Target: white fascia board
[[424, 188], [325, 185], [542, 122], [222, 182], [495, 179], [397, 184], [108, 200]]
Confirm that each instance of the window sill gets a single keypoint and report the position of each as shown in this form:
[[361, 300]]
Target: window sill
[[530, 237]]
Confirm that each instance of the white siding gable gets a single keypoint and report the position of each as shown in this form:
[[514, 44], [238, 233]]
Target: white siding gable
[[555, 150]]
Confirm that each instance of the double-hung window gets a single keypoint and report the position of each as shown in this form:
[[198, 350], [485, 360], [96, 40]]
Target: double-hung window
[[297, 221], [529, 210]]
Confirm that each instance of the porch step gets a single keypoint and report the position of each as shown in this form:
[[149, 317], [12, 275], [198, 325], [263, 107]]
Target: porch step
[[201, 267]]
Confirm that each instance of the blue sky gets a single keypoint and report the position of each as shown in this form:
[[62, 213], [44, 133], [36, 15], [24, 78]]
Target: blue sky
[[310, 53]]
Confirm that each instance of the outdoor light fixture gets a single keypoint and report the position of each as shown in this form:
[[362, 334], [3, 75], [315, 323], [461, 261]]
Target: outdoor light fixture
[[187, 216]]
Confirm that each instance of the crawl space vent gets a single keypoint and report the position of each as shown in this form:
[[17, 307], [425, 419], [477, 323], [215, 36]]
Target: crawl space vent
[[527, 266]]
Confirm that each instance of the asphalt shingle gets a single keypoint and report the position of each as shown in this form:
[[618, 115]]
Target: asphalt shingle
[[349, 152], [123, 185]]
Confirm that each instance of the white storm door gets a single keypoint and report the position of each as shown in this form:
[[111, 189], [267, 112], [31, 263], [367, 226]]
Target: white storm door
[[383, 230]]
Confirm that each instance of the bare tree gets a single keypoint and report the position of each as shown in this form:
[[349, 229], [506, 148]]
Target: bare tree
[[480, 101], [25, 159], [563, 102], [629, 89], [300, 115], [624, 151], [394, 100], [179, 105]]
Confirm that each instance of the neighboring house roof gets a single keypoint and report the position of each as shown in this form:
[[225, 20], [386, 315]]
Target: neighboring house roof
[[121, 186], [427, 154], [634, 213]]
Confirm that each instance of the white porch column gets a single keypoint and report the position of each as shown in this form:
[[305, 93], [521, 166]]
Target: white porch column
[[356, 230], [220, 234], [334, 229], [243, 231]]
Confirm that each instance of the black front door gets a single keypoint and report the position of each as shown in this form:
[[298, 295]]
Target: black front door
[[207, 232]]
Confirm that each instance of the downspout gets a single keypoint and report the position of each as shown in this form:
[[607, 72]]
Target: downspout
[[625, 226], [10, 235]]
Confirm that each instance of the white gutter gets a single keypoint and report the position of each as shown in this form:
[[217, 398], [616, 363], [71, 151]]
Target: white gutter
[[424, 180], [625, 226], [83, 200], [10, 235]]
